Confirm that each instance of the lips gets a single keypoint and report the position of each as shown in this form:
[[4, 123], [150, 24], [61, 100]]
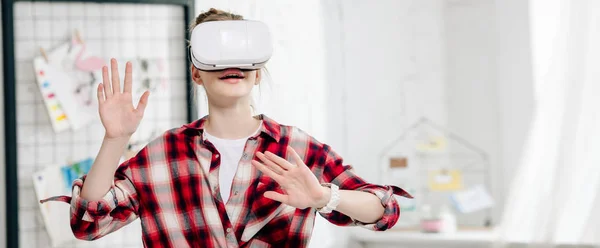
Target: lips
[[232, 74]]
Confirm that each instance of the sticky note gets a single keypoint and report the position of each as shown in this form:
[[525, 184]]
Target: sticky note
[[445, 180]]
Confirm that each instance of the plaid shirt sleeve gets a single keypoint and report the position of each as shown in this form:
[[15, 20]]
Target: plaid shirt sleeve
[[335, 172], [91, 220]]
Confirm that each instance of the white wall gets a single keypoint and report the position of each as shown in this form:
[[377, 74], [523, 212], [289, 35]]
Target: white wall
[[386, 70], [489, 82], [473, 106], [514, 81], [394, 74]]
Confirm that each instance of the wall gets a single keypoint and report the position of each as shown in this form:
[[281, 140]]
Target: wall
[[472, 103], [489, 82], [393, 75], [385, 70], [514, 81]]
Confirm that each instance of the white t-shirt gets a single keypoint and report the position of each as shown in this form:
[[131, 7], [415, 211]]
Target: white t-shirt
[[230, 152]]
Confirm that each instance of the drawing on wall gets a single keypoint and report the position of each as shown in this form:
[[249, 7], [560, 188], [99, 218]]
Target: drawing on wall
[[150, 74], [86, 70], [53, 181], [67, 77]]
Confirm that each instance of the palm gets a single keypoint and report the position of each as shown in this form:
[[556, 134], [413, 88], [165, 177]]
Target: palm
[[117, 113], [302, 189]]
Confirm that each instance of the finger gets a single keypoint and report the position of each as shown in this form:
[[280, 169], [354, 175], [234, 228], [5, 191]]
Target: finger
[[100, 93], [295, 157], [277, 197], [128, 75], [141, 107], [273, 166], [279, 160], [116, 84], [106, 82], [268, 171]]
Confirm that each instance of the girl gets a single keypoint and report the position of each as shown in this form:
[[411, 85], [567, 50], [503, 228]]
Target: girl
[[229, 179]]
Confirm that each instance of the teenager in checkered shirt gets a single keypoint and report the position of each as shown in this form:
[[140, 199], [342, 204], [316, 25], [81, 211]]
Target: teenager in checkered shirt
[[230, 179]]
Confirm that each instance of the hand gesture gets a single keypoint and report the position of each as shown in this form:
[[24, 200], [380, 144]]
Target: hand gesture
[[301, 187], [117, 113]]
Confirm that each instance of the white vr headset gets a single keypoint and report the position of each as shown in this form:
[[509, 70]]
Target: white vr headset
[[218, 45]]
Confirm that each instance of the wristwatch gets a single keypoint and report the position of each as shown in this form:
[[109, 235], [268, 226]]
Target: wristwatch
[[333, 201]]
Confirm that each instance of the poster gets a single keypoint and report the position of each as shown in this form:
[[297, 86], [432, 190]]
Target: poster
[[53, 181]]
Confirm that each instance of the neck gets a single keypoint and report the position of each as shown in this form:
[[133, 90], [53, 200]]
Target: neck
[[231, 122]]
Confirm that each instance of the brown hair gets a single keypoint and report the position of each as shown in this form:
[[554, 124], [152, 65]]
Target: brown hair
[[215, 15]]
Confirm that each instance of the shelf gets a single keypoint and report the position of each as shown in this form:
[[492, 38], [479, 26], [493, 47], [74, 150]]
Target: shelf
[[410, 236]]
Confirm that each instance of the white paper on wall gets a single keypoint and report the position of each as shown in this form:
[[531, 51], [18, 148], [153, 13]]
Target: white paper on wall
[[73, 77], [52, 181]]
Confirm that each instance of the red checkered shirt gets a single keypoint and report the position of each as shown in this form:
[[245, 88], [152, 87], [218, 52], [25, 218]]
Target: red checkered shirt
[[179, 203]]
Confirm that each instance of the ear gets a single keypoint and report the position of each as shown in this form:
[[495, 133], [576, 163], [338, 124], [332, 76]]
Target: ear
[[196, 75], [258, 76]]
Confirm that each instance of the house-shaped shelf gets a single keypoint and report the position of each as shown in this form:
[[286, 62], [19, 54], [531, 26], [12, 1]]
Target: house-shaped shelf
[[432, 162]]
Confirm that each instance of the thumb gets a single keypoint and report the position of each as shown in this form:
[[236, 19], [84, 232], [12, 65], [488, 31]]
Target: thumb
[[277, 196], [143, 103]]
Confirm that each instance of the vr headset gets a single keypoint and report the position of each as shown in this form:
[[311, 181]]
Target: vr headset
[[218, 45]]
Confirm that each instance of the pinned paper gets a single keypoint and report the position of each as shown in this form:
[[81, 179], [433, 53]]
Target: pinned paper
[[473, 199], [67, 78], [400, 162], [52, 181], [57, 114], [74, 171], [445, 180]]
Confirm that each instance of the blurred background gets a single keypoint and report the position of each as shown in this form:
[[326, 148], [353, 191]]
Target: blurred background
[[485, 110]]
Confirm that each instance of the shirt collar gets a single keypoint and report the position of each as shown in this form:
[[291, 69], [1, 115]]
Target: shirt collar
[[269, 126]]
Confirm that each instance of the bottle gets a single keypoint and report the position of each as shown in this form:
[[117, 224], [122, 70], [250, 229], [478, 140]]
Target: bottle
[[448, 220]]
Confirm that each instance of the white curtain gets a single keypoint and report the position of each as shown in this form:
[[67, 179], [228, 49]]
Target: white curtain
[[555, 196], [296, 93]]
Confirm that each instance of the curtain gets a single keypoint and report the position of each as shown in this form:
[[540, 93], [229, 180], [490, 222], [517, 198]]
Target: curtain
[[554, 198]]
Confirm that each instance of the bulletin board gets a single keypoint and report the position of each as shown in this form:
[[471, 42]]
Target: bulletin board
[[47, 132]]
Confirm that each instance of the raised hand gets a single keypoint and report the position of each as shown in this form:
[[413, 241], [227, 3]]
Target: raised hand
[[117, 113], [301, 187]]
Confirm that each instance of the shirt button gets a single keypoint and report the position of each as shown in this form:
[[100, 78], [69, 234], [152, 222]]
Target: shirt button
[[235, 193], [228, 230]]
